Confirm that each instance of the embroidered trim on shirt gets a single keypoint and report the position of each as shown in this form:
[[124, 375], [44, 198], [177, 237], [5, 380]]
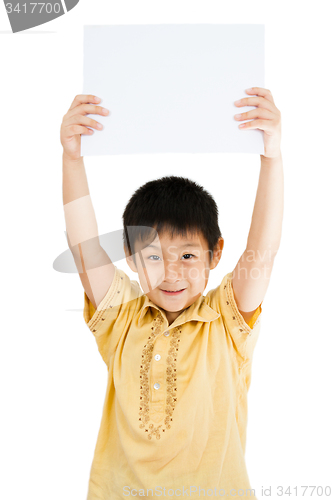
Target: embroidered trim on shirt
[[106, 303], [172, 377], [171, 380], [243, 326]]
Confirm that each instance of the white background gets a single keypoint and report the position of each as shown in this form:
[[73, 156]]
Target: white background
[[53, 379]]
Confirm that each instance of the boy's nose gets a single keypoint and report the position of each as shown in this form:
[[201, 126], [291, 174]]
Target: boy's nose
[[173, 271]]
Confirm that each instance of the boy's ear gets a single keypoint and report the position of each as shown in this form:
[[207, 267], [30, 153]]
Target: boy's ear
[[217, 253], [130, 260]]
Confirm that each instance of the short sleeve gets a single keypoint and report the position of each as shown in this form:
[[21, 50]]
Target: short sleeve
[[113, 316], [252, 321], [244, 336]]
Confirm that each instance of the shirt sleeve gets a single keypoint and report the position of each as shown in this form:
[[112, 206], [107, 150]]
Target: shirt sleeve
[[243, 335], [113, 316], [252, 321]]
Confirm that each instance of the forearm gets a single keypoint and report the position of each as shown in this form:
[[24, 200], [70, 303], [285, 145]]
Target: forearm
[[74, 180], [81, 224], [266, 225]]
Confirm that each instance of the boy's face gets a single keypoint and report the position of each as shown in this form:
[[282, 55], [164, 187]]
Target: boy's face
[[173, 272]]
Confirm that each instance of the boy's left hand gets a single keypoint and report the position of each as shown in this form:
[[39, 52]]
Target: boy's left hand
[[267, 118]]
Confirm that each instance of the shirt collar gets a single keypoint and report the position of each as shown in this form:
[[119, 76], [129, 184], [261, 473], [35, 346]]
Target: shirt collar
[[198, 311]]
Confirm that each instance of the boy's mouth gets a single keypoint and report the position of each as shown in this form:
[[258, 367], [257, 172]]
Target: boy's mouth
[[172, 292]]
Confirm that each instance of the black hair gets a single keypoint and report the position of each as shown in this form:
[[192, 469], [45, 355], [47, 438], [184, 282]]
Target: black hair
[[175, 204]]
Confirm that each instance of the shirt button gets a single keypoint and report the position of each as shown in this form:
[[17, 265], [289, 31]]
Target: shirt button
[[167, 333], [156, 385], [157, 357]]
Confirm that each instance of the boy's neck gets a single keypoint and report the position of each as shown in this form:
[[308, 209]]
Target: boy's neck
[[172, 316]]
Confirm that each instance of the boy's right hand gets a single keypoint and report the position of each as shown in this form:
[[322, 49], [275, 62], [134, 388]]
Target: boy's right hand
[[75, 123]]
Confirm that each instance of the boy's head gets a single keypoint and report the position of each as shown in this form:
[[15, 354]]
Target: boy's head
[[172, 239]]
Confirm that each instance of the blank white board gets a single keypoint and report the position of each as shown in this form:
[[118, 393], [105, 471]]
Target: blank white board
[[170, 88]]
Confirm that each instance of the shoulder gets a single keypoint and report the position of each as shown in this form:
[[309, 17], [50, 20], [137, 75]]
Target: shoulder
[[223, 298], [123, 295], [243, 330], [112, 318]]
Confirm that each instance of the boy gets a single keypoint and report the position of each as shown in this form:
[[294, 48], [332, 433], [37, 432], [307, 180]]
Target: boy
[[179, 363]]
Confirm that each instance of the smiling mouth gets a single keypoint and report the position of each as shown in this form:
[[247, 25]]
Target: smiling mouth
[[172, 292]]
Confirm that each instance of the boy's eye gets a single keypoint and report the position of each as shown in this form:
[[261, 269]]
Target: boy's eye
[[187, 256], [153, 257]]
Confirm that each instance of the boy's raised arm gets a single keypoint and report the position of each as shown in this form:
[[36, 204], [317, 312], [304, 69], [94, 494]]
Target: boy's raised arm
[[253, 271], [93, 264]]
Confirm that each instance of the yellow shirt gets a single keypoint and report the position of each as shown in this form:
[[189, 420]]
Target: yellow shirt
[[175, 410]]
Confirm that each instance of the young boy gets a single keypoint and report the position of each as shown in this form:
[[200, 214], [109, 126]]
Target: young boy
[[179, 363]]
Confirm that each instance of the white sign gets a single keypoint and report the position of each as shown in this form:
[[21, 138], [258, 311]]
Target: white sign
[[170, 88]]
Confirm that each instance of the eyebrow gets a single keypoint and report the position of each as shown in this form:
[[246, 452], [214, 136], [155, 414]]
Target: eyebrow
[[196, 245]]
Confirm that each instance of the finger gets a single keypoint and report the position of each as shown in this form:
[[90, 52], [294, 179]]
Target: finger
[[261, 92], [83, 120], [265, 125], [84, 98], [255, 113], [87, 109], [261, 102], [77, 129]]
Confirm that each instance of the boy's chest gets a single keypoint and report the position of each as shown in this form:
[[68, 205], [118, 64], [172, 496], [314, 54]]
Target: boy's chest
[[163, 369]]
